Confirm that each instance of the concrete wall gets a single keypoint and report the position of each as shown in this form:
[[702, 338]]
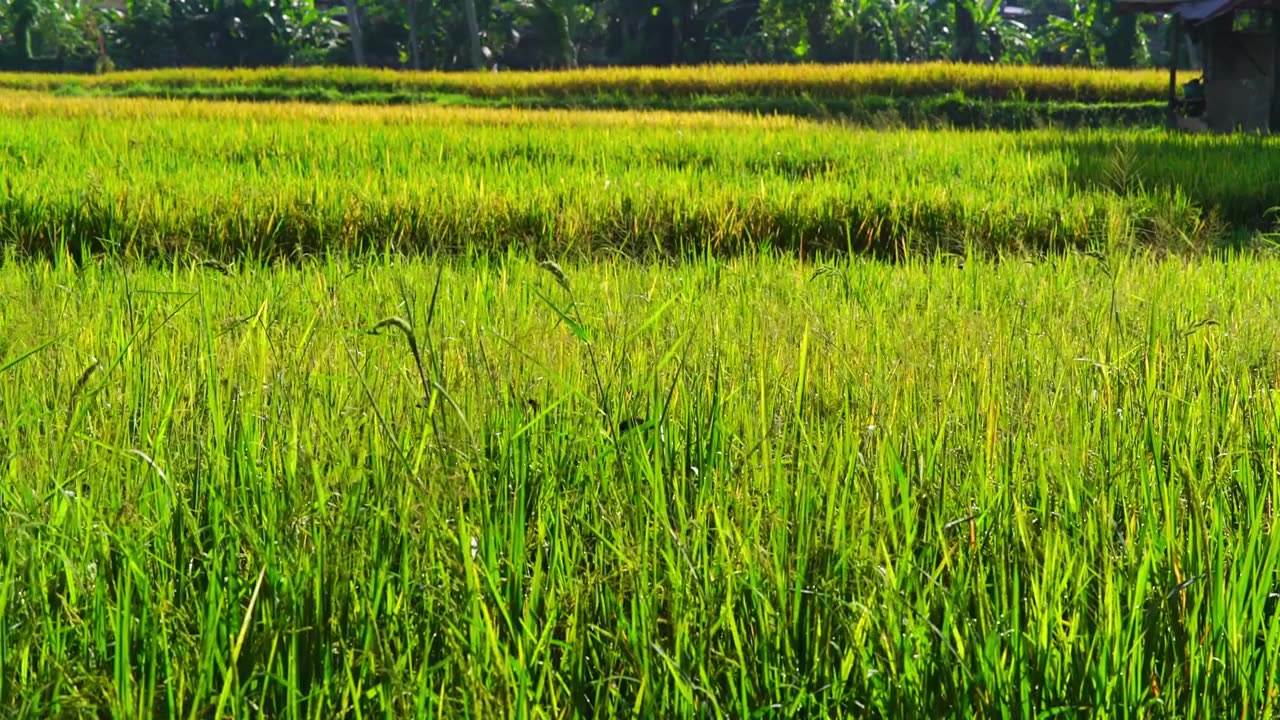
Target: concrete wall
[[1239, 81]]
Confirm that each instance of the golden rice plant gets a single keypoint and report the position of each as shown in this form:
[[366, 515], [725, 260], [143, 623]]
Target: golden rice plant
[[844, 81]]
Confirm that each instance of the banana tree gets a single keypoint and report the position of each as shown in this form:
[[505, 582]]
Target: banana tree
[[234, 32], [994, 37], [864, 29], [1125, 38], [1075, 39], [918, 30], [49, 34]]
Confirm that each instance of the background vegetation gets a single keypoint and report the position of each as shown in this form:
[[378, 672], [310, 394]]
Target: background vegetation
[[80, 35]]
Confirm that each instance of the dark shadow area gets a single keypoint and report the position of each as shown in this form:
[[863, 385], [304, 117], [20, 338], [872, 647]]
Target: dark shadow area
[[952, 109], [1233, 176]]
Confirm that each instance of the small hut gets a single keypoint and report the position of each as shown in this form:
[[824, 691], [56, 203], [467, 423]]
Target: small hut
[[1236, 43]]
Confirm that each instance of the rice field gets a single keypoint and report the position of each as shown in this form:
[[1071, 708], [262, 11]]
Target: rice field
[[723, 489], [315, 411], [221, 181], [924, 96], [991, 81]]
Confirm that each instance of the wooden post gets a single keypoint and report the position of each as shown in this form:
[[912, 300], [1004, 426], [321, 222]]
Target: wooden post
[[1174, 39]]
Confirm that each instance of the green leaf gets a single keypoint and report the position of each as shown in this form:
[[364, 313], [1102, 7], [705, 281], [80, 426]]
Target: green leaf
[[577, 329], [18, 360]]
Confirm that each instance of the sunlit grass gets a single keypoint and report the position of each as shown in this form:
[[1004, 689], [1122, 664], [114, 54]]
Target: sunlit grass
[[992, 81], [635, 434], [718, 488], [225, 180]]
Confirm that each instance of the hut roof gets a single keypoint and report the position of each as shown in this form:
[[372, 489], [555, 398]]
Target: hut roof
[[1195, 11]]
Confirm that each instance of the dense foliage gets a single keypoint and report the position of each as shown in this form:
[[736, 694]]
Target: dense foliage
[[450, 34]]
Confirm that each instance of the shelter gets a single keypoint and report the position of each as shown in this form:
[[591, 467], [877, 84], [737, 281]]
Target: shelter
[[1236, 41]]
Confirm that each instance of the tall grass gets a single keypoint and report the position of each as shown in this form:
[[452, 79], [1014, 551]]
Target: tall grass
[[724, 489], [987, 81], [225, 180]]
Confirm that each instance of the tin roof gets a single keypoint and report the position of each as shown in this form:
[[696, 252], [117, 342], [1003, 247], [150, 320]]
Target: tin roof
[[1195, 11], [1147, 6]]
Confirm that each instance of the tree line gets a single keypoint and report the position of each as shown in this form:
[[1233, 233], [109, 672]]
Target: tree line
[[101, 35]]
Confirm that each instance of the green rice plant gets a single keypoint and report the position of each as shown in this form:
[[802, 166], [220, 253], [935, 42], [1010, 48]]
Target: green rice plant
[[224, 182], [877, 95], [707, 462], [925, 489], [1002, 82]]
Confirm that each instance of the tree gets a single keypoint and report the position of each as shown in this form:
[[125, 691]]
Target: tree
[[415, 53], [1121, 37], [142, 35], [357, 33], [917, 30], [23, 14], [1074, 39], [451, 34], [553, 19], [49, 35], [990, 36], [865, 31], [966, 31], [473, 34]]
